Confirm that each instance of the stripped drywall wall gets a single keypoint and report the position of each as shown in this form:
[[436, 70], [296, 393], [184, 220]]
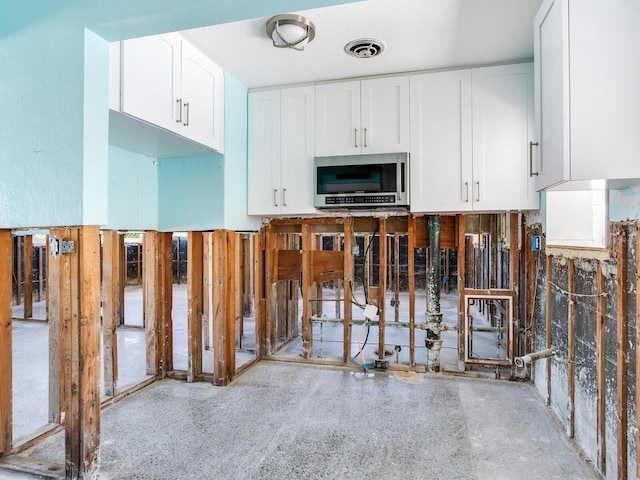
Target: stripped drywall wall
[[50, 104]]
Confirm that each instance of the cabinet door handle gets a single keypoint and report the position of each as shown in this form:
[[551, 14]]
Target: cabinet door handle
[[284, 197], [478, 197], [466, 192], [275, 197], [365, 137], [186, 106], [531, 172], [179, 116], [355, 137]]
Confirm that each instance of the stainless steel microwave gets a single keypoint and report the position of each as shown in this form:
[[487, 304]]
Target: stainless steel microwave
[[376, 180]]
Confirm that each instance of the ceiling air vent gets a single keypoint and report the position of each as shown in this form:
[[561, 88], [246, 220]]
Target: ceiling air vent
[[364, 48]]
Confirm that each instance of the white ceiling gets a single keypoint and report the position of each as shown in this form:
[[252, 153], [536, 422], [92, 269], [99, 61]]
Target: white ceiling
[[419, 35]]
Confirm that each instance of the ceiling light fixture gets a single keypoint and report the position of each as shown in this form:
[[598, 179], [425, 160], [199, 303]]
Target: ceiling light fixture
[[290, 31]]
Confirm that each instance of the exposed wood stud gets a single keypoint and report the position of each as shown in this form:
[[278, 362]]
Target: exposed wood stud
[[19, 271], [622, 352], [548, 313], [233, 300], [601, 360], [152, 300], [224, 306], [122, 276], [194, 306], [529, 310], [396, 277], [382, 285], [40, 273], [206, 289], [82, 356], [58, 288], [6, 431], [27, 245], [348, 278], [247, 271], [336, 284], [461, 286], [238, 289], [259, 292], [307, 291], [412, 293], [110, 281], [166, 283], [571, 350], [270, 290]]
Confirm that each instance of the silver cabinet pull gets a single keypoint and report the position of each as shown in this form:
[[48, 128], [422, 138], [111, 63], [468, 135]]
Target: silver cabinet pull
[[275, 197], [478, 197], [466, 192], [179, 102], [186, 106], [531, 145], [355, 137], [365, 137], [284, 197]]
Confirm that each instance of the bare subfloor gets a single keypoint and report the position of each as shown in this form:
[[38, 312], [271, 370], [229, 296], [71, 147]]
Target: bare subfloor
[[292, 421]]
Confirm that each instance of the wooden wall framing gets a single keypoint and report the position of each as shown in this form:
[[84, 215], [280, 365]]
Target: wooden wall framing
[[6, 414]]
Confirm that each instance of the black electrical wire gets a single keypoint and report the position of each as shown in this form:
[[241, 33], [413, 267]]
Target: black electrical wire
[[365, 342], [366, 252]]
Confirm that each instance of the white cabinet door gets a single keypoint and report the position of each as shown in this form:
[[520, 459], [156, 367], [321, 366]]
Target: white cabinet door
[[385, 115], [297, 127], [502, 129], [587, 93], [338, 119], [552, 95], [151, 79], [264, 153], [202, 82], [441, 169]]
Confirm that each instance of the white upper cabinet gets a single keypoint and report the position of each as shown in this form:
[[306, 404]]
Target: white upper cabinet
[[441, 163], [503, 126], [281, 150], [202, 98], [170, 84], [587, 95], [264, 153], [470, 133], [360, 117], [114, 76]]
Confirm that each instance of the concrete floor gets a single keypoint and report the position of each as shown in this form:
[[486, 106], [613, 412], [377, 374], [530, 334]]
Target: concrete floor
[[31, 356], [291, 421]]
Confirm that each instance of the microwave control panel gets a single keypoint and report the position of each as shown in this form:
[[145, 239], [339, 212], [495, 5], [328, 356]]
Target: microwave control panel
[[360, 199]]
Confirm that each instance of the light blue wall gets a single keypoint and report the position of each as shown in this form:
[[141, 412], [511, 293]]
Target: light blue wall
[[624, 204], [54, 110], [235, 157], [190, 193], [133, 191]]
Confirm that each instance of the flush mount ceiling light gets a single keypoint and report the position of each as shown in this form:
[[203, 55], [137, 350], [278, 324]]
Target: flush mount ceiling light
[[290, 31], [364, 48]]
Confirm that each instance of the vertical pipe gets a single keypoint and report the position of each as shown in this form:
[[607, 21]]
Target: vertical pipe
[[27, 243], [396, 276], [434, 276]]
